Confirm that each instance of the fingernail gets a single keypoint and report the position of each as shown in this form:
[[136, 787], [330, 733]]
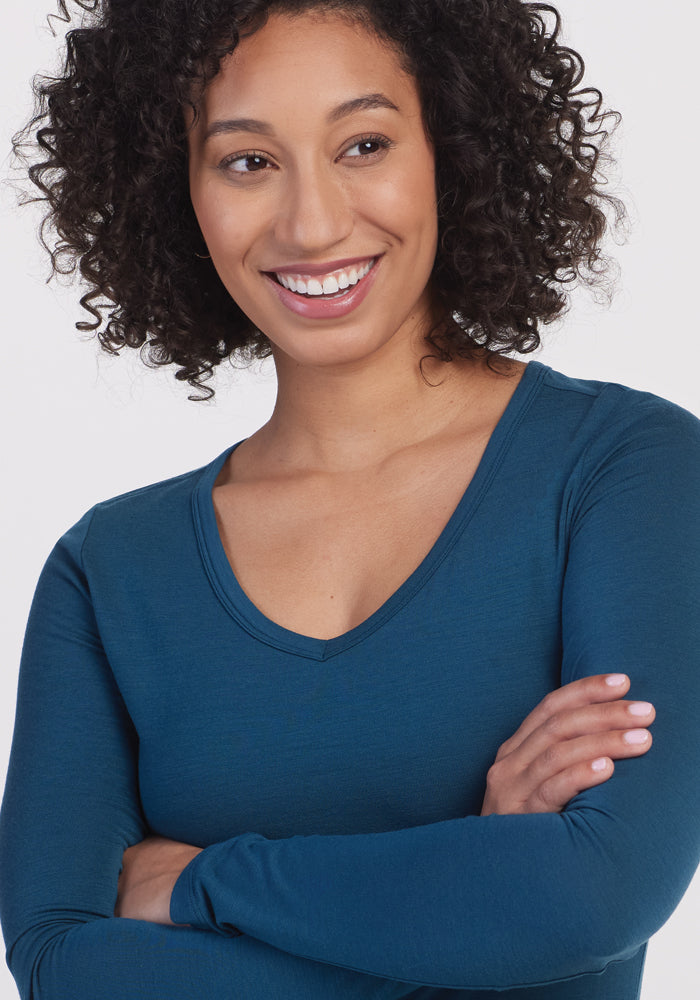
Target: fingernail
[[600, 764], [640, 708], [615, 680], [636, 736]]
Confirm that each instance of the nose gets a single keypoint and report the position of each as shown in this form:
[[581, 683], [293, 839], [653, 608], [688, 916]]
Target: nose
[[314, 213]]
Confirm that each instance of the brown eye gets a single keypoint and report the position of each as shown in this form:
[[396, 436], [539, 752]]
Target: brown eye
[[368, 147], [363, 148], [246, 163]]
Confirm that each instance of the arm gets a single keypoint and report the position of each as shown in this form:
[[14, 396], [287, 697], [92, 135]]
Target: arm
[[553, 756], [71, 807], [499, 901]]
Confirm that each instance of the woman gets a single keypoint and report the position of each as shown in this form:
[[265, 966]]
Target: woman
[[304, 657]]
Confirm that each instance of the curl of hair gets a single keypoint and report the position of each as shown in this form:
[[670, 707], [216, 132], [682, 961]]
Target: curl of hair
[[518, 148]]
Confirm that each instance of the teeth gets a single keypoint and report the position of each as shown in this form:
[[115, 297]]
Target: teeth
[[329, 284]]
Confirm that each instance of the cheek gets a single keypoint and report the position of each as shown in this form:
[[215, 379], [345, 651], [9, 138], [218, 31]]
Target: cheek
[[213, 214], [229, 230], [405, 204], [232, 232]]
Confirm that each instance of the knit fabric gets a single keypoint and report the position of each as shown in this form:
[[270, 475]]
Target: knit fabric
[[336, 784]]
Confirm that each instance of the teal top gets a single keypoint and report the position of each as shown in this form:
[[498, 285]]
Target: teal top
[[336, 784]]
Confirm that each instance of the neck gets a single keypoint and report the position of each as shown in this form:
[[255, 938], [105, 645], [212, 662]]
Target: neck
[[353, 416]]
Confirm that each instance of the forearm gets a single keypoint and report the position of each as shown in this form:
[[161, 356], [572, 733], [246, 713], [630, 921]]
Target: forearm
[[502, 901], [482, 903], [133, 960]]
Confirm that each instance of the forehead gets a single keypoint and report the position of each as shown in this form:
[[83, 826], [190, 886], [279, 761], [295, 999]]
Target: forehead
[[307, 61]]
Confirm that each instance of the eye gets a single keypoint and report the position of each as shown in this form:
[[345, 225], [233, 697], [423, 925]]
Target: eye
[[246, 163], [368, 147]]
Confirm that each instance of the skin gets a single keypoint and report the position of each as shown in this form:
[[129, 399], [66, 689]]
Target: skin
[[359, 441], [318, 198]]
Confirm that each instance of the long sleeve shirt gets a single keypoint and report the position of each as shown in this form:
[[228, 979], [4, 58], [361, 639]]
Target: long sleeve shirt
[[335, 785]]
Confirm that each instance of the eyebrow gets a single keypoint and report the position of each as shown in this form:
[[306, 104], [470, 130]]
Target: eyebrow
[[368, 102]]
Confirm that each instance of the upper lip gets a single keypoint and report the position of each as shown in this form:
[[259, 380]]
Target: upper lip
[[314, 270]]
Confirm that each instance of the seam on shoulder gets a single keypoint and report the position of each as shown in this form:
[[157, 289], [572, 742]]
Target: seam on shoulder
[[148, 488], [91, 515], [650, 406], [585, 387]]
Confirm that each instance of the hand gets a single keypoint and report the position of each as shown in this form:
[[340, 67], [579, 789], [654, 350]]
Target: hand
[[566, 745], [150, 871]]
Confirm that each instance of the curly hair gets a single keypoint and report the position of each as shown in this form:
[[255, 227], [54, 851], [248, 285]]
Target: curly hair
[[518, 146]]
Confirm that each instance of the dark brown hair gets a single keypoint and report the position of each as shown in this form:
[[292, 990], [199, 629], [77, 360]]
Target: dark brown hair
[[522, 210]]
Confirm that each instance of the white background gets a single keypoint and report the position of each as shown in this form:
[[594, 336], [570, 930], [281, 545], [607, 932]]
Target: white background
[[77, 429]]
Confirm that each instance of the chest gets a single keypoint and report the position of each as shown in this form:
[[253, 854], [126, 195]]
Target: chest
[[393, 729], [394, 724], [320, 554]]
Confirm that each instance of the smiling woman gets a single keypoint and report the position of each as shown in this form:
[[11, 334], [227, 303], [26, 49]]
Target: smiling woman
[[296, 198], [344, 712], [520, 197]]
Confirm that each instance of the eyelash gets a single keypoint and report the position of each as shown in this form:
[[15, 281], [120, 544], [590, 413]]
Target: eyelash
[[378, 140]]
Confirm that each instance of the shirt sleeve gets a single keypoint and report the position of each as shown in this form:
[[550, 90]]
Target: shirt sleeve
[[71, 807], [501, 901]]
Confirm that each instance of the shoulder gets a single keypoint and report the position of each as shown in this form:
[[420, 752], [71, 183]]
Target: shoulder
[[140, 519], [630, 450], [610, 414]]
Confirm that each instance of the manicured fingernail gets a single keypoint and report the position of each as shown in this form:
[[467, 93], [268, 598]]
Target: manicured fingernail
[[615, 680], [600, 764], [640, 708], [636, 736]]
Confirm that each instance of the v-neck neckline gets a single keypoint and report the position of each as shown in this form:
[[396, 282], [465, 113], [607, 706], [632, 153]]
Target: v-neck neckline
[[249, 616]]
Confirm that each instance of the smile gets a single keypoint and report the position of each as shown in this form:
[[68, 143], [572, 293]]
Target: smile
[[329, 296], [335, 284]]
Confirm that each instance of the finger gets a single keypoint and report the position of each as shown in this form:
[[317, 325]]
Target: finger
[[591, 720], [561, 757], [556, 793], [600, 688]]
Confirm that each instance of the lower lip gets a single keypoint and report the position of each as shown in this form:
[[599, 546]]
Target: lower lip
[[317, 307]]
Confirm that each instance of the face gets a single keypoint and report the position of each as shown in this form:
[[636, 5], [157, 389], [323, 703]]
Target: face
[[314, 186]]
